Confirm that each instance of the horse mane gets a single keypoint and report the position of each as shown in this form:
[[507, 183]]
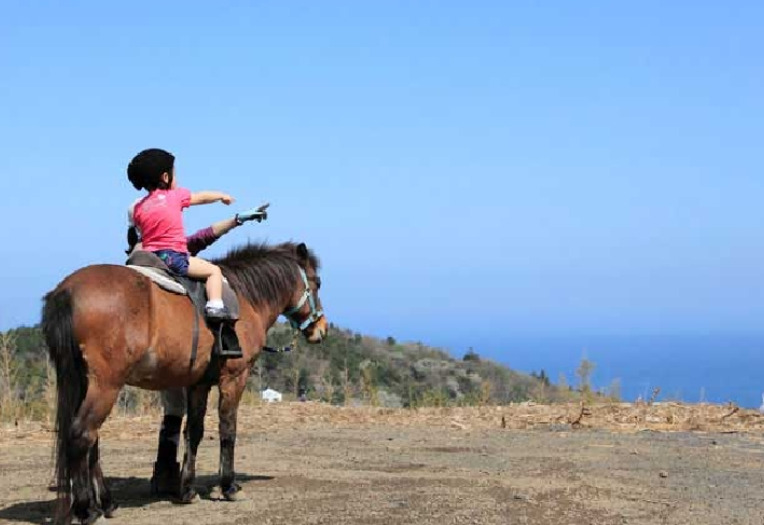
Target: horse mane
[[262, 273]]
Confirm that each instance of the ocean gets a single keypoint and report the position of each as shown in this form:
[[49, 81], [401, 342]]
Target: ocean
[[692, 368]]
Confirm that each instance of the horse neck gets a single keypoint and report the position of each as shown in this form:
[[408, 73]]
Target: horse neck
[[269, 311]]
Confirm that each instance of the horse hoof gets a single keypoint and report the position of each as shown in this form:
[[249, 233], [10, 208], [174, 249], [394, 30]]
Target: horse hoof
[[93, 518], [111, 510], [190, 496], [216, 494], [233, 493]]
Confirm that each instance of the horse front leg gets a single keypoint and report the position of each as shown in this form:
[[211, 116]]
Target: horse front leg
[[197, 408], [231, 390]]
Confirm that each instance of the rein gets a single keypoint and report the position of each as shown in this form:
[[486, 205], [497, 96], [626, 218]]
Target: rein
[[307, 295]]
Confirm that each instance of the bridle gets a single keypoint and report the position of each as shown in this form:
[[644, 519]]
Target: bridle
[[307, 295]]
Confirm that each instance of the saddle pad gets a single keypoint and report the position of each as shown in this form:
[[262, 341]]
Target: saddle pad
[[147, 259], [160, 278], [155, 269]]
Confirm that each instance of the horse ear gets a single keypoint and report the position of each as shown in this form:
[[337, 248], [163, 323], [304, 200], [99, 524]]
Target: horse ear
[[302, 251]]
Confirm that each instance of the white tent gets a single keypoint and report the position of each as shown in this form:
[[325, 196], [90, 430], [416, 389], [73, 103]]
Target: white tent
[[270, 395]]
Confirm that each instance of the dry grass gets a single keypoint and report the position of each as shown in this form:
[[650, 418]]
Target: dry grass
[[619, 417], [616, 417]]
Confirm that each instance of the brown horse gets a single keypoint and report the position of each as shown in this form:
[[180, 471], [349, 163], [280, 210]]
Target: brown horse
[[107, 326]]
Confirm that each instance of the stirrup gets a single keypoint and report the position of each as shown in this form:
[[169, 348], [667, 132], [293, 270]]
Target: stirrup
[[234, 353], [226, 342]]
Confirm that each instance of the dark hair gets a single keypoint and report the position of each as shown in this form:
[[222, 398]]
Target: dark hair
[[147, 167], [132, 239]]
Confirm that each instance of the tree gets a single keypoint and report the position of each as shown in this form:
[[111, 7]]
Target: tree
[[485, 392], [614, 390], [390, 340], [543, 378], [303, 381], [562, 382], [369, 383], [296, 381], [9, 374], [584, 373], [471, 355], [347, 385]]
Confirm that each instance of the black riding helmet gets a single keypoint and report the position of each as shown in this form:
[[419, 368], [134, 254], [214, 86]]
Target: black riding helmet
[[146, 169]]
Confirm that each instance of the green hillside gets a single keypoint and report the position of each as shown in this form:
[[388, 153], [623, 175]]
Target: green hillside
[[346, 368], [358, 368]]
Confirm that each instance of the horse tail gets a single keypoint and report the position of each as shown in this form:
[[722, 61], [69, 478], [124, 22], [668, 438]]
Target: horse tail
[[71, 381]]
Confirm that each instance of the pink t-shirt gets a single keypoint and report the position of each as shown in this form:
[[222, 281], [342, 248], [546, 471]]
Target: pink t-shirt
[[159, 218]]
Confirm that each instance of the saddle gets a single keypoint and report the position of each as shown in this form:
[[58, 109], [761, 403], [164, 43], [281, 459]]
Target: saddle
[[226, 341]]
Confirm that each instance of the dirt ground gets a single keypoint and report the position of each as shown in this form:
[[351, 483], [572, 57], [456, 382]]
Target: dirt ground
[[524, 464]]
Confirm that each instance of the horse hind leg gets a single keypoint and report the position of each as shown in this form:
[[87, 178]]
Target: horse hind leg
[[82, 439], [102, 494]]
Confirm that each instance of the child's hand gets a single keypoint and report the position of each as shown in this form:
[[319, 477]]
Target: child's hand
[[226, 199]]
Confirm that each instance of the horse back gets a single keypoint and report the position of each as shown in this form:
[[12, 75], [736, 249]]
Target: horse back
[[132, 332]]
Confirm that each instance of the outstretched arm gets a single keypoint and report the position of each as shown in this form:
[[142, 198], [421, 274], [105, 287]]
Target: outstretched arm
[[222, 227], [200, 240], [204, 238], [208, 197]]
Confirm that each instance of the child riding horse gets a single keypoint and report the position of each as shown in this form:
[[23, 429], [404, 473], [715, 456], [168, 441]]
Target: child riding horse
[[107, 326]]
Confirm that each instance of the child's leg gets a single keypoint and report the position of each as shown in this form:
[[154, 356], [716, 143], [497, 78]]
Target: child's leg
[[199, 268]]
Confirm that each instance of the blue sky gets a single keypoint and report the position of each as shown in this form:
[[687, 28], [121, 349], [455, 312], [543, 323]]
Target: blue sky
[[502, 168]]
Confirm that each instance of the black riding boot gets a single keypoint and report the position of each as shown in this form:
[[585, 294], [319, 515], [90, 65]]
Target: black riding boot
[[166, 477]]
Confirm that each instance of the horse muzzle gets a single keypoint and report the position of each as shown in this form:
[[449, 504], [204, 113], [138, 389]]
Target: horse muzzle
[[319, 332]]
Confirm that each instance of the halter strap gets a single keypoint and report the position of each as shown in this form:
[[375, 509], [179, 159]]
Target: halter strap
[[307, 295]]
